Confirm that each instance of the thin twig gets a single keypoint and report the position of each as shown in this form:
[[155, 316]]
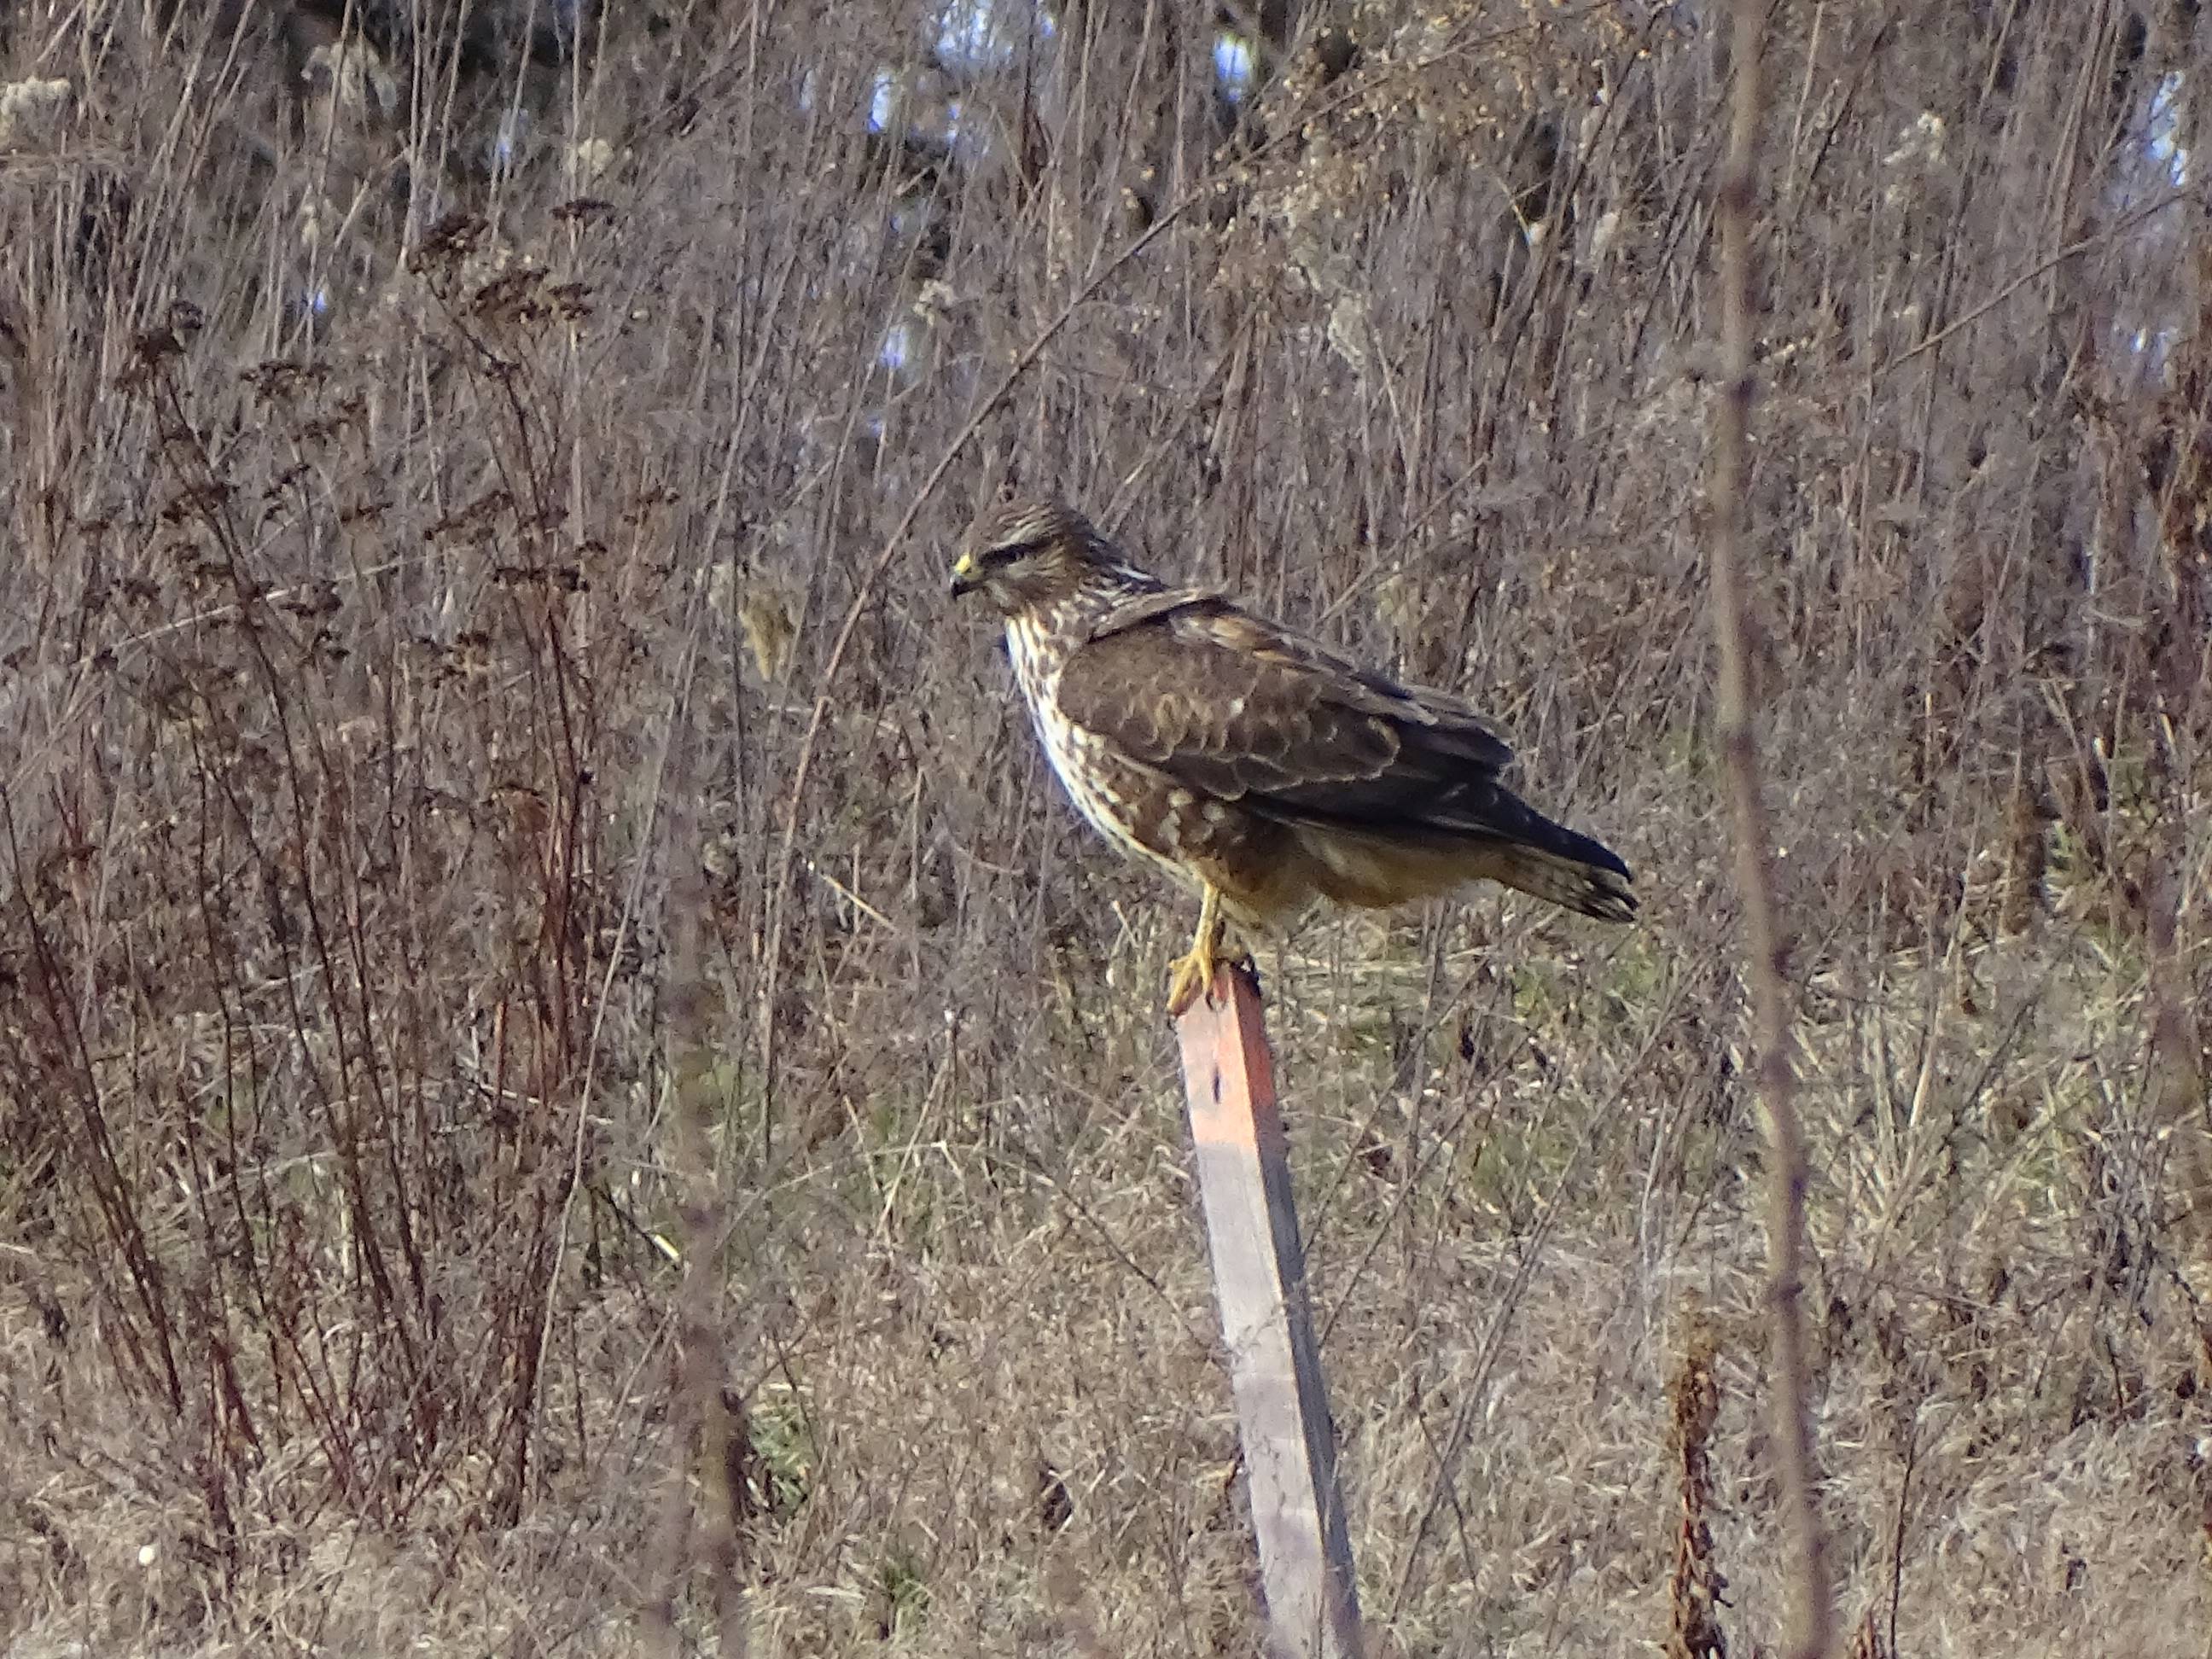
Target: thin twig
[[1811, 1634], [2041, 268], [707, 1422]]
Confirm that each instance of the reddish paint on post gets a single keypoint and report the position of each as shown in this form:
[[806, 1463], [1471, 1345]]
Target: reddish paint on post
[[1267, 1325]]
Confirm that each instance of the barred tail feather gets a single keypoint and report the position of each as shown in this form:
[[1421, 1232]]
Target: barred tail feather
[[1579, 884], [1522, 848]]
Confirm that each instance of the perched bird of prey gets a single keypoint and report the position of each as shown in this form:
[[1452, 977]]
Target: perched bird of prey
[[1249, 761]]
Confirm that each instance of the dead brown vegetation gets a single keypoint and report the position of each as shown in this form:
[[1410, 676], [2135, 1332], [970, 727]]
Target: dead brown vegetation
[[426, 454]]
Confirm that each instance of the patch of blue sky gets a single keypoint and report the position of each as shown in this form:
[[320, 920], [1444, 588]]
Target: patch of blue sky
[[887, 102], [2162, 135], [2156, 164], [506, 146], [2149, 171], [974, 35], [901, 340], [1234, 66], [969, 141], [2152, 347]]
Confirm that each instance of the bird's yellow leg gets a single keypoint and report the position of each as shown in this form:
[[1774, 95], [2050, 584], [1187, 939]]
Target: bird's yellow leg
[[1194, 973]]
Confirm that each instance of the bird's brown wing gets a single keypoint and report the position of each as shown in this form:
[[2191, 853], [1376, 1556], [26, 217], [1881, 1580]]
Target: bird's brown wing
[[1245, 710]]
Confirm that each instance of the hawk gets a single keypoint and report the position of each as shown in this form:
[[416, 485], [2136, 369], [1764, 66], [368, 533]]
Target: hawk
[[1249, 761]]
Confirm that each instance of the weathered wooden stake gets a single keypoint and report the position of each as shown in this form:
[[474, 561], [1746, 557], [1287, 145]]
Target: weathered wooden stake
[[1274, 1365]]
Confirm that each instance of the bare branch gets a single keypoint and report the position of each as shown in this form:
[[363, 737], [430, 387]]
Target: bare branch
[[1811, 1619]]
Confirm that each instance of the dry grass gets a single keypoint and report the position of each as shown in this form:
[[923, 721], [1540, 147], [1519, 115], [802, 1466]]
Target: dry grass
[[435, 504]]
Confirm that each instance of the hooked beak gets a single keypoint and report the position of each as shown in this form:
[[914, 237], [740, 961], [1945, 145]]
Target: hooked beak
[[967, 575]]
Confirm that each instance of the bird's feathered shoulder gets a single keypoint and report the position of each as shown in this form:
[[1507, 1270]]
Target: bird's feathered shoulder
[[1235, 705], [1140, 608]]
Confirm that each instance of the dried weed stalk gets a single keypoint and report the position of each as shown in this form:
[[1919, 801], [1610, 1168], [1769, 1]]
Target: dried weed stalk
[[707, 1500], [1694, 1589], [1868, 1641], [1810, 1616]]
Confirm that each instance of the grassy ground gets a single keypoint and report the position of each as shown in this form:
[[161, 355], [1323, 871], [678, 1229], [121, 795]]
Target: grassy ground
[[499, 826]]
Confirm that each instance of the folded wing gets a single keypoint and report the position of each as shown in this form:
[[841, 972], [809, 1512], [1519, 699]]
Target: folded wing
[[1395, 789]]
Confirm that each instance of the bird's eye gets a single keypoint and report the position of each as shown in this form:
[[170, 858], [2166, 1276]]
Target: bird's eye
[[997, 558]]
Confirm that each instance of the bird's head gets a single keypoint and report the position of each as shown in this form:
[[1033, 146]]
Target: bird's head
[[1021, 555]]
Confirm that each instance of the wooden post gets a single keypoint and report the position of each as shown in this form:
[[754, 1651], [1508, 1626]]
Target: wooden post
[[1274, 1365]]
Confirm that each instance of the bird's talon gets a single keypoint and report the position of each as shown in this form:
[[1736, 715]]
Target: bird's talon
[[1193, 977]]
